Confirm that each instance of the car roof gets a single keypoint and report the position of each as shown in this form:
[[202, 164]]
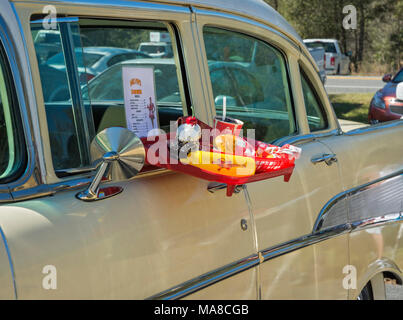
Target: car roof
[[257, 10], [254, 9], [320, 40]]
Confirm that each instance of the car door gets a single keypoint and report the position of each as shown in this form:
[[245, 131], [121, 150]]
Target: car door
[[165, 235], [281, 107]]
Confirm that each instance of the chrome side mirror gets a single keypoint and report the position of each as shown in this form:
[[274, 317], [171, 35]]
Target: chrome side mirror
[[120, 155]]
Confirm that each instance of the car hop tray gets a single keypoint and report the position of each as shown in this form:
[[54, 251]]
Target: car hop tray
[[257, 161]]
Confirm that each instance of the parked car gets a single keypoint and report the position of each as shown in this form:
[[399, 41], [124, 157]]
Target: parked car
[[384, 105], [157, 49], [319, 55], [97, 59], [82, 218], [48, 42], [337, 62]]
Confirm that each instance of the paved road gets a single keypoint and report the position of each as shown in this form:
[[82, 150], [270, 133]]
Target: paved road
[[353, 84]]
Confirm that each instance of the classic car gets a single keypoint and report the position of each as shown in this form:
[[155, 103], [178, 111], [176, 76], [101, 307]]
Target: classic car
[[82, 218]]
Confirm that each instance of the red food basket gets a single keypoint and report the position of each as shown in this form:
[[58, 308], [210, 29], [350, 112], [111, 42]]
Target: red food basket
[[278, 165]]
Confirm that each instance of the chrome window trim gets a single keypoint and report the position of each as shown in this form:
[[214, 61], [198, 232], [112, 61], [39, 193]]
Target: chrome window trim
[[247, 21], [260, 25], [29, 178], [32, 184], [376, 127], [301, 139], [286, 60]]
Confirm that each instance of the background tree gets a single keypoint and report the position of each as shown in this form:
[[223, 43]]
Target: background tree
[[376, 43]]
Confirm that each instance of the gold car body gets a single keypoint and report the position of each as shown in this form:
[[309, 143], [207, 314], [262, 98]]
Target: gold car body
[[165, 236]]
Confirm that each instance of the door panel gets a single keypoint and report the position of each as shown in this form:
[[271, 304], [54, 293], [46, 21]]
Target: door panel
[[160, 232], [288, 211]]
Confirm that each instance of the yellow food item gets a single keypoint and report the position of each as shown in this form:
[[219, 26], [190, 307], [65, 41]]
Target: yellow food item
[[223, 164], [226, 143]]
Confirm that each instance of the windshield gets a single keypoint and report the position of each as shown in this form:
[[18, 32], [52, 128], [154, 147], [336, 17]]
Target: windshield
[[399, 77], [328, 46]]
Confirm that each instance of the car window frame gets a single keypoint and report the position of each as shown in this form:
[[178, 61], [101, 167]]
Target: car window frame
[[15, 114], [182, 76], [304, 74], [293, 110]]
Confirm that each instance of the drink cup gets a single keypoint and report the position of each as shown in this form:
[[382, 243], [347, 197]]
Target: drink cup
[[228, 125]]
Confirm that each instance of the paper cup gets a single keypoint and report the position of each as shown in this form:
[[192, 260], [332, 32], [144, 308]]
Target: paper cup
[[228, 126]]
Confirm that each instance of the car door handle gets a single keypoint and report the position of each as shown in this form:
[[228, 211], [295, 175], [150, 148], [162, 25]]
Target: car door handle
[[329, 159]]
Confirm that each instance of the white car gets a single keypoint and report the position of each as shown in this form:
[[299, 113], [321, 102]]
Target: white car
[[336, 62], [98, 59]]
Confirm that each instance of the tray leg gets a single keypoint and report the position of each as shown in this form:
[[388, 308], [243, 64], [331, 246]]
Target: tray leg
[[230, 190], [287, 177]]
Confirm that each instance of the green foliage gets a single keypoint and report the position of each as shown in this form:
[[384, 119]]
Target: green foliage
[[353, 106], [377, 40]]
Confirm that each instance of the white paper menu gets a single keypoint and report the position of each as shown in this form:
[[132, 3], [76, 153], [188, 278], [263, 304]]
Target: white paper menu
[[139, 96]]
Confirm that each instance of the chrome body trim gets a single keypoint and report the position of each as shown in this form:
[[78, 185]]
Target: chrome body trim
[[304, 241], [346, 196], [375, 127], [232, 269], [300, 139], [207, 279], [10, 261], [319, 233]]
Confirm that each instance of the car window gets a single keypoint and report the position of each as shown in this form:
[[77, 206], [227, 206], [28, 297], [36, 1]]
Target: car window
[[12, 153], [398, 77], [81, 97], [69, 118], [328, 46], [126, 56], [317, 118], [252, 75]]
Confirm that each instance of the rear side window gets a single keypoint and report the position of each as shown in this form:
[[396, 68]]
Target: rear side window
[[252, 76], [12, 153], [315, 111]]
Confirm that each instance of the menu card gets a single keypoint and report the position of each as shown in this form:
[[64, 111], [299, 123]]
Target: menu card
[[140, 99]]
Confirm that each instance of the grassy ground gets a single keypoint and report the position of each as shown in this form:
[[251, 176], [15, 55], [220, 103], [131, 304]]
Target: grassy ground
[[352, 106]]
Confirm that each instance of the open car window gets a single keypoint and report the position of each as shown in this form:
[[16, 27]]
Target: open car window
[[80, 64]]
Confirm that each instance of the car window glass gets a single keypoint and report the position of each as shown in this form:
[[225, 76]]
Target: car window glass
[[328, 46], [252, 75], [69, 118], [101, 49], [399, 77], [317, 119], [11, 142]]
